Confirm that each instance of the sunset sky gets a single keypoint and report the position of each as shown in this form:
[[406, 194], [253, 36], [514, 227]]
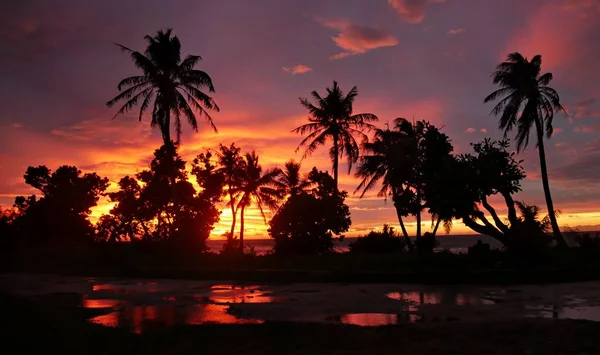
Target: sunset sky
[[428, 59]]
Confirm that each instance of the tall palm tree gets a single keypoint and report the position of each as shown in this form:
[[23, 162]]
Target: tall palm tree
[[256, 188], [173, 84], [528, 101], [231, 163], [384, 160], [331, 118], [290, 182]]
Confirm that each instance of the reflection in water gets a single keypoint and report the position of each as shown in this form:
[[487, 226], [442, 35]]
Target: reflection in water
[[439, 297], [139, 319], [226, 294], [378, 319], [140, 287], [591, 313], [87, 303], [171, 310]]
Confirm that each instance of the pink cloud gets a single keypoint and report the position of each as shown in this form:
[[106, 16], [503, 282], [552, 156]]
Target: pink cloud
[[471, 130], [412, 11], [456, 31], [584, 129], [357, 39], [298, 69], [558, 130], [483, 130], [556, 31]]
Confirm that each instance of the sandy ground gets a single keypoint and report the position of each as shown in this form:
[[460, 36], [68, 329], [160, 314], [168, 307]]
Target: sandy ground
[[361, 304]]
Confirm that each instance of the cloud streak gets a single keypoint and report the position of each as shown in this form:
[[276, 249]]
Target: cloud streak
[[357, 39], [412, 11], [297, 69]]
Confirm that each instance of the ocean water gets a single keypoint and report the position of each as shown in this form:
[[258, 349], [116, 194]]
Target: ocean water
[[453, 243]]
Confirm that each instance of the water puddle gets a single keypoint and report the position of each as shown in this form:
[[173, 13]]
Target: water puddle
[[145, 306], [139, 319], [590, 313], [233, 294], [435, 298], [376, 319]]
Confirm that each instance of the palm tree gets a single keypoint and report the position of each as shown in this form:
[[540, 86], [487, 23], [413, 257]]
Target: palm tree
[[256, 187], [173, 84], [290, 182], [231, 164], [527, 100], [530, 217], [331, 118], [384, 160]]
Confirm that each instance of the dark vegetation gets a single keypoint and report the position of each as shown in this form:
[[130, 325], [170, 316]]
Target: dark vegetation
[[161, 220]]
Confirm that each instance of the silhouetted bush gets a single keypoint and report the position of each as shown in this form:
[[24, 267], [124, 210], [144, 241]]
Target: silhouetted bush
[[379, 242], [60, 216], [307, 222], [427, 243], [479, 249]]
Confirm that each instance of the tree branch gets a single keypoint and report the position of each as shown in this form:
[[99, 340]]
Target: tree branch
[[494, 215]]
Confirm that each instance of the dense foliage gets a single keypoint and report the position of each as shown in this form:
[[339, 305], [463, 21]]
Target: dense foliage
[[308, 220]]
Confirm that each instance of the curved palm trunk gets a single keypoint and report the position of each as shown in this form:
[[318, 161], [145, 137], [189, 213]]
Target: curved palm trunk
[[336, 159], [242, 230], [437, 225], [403, 228], [233, 216], [560, 240]]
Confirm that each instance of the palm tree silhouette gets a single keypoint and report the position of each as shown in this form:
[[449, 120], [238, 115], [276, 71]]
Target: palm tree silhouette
[[173, 84], [256, 187], [331, 118], [231, 163], [527, 100], [385, 159], [290, 182]]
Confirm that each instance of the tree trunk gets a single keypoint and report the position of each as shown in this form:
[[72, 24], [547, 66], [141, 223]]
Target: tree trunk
[[335, 161], [512, 211], [166, 128], [494, 215], [242, 230], [560, 240], [403, 227], [476, 227], [437, 225], [418, 215], [233, 214]]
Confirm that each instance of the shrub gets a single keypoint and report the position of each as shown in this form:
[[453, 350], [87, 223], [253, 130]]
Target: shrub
[[386, 241]]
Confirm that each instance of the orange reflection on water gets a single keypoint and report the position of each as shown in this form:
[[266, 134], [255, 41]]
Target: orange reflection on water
[[139, 287], [369, 319], [142, 318], [225, 294], [87, 303], [214, 313]]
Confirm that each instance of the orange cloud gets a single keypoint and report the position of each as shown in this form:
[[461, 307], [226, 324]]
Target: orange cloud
[[357, 39], [412, 11], [298, 69]]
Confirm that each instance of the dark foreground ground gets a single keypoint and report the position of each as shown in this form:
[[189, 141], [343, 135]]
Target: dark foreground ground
[[35, 327]]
